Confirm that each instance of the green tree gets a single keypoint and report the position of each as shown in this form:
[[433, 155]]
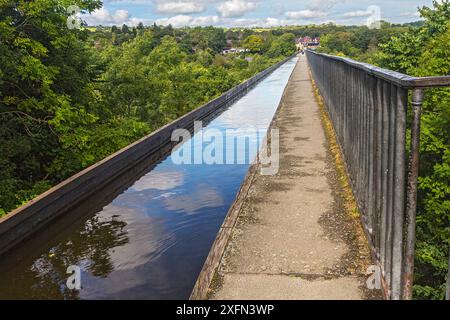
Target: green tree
[[282, 46], [70, 97], [254, 43], [44, 69], [401, 53], [339, 43], [433, 219]]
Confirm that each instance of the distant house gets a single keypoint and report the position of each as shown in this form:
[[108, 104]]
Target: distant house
[[305, 42], [234, 50]]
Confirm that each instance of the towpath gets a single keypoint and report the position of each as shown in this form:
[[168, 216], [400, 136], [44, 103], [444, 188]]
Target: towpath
[[295, 237]]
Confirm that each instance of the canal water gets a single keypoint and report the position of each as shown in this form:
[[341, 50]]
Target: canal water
[[150, 240]]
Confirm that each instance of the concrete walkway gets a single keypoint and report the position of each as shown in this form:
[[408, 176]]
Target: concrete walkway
[[293, 239]]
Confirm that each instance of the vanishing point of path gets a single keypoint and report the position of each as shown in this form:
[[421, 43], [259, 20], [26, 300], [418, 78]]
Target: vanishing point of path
[[293, 239]]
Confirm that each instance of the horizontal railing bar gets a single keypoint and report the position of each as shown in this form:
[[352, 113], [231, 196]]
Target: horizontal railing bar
[[394, 77]]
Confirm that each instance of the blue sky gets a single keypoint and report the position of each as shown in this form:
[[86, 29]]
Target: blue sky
[[264, 13]]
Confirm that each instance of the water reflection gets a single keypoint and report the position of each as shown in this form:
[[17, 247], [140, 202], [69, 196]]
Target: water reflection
[[198, 199], [88, 248], [159, 181], [151, 240]]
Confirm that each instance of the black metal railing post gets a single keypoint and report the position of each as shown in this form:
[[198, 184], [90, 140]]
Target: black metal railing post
[[411, 200]]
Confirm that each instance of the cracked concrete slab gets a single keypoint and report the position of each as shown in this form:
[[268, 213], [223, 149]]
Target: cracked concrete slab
[[278, 287]]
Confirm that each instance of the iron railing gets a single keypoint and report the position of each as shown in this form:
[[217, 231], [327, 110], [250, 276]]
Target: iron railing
[[368, 108]]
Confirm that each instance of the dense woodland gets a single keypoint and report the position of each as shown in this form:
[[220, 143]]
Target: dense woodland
[[70, 97], [418, 50]]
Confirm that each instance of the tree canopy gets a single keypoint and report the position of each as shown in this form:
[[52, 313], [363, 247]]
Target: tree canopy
[[71, 96], [254, 43]]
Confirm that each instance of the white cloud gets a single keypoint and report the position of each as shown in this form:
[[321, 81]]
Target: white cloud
[[102, 16], [415, 14], [359, 13], [205, 21], [121, 15], [233, 12], [189, 21], [164, 180], [306, 14], [181, 20], [105, 18], [324, 4], [128, 1], [236, 8], [272, 22], [176, 21], [180, 7], [263, 22]]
